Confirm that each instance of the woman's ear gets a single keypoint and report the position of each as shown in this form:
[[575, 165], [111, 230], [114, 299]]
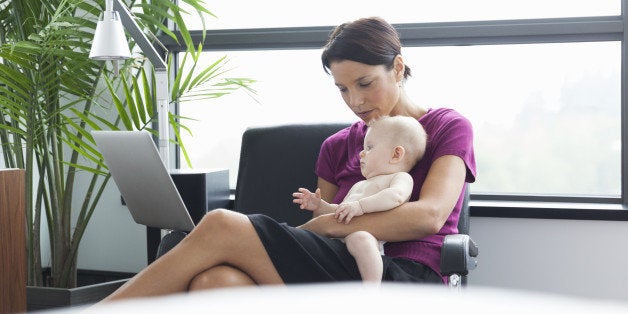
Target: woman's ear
[[398, 154], [400, 67]]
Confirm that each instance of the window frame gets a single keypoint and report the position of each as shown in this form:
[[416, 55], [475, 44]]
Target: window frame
[[493, 32]]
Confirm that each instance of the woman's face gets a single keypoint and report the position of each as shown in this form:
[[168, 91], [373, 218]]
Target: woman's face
[[370, 91]]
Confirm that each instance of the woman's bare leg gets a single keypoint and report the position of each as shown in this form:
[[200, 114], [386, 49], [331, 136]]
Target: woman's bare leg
[[222, 237], [221, 276]]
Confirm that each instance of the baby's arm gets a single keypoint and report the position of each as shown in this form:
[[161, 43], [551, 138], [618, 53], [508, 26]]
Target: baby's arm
[[396, 194], [313, 202]]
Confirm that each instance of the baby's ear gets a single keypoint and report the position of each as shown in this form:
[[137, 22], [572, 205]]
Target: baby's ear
[[398, 154]]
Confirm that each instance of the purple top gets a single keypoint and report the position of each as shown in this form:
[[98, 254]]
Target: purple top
[[449, 133]]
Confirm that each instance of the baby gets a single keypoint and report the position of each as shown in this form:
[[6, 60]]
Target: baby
[[392, 146]]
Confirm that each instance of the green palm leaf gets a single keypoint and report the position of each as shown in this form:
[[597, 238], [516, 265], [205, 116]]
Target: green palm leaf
[[52, 95]]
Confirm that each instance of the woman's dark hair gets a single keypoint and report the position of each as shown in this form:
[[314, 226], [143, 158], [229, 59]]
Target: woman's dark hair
[[371, 41]]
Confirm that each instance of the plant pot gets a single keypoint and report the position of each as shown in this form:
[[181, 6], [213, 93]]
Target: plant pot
[[41, 298], [94, 286]]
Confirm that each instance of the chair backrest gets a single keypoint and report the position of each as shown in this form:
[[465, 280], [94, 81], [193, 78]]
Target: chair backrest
[[276, 161]]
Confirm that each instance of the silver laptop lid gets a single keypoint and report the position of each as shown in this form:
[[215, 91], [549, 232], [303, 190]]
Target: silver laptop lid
[[143, 180]]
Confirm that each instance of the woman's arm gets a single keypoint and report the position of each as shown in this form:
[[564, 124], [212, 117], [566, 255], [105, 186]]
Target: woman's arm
[[412, 220], [328, 190]]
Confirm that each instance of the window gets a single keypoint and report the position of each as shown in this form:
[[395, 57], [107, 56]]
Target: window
[[290, 13], [292, 88], [544, 96], [546, 116], [549, 111]]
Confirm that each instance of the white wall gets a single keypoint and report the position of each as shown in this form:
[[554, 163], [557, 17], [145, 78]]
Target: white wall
[[112, 240], [576, 257]]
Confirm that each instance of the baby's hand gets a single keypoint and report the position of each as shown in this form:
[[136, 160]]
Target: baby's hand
[[307, 199], [346, 211]]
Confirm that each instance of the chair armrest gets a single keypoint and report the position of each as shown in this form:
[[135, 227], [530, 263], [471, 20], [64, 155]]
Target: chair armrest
[[458, 255], [169, 241]]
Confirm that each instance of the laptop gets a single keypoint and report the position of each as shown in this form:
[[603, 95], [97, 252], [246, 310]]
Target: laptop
[[143, 180]]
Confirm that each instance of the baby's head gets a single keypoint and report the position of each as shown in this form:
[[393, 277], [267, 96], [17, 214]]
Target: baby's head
[[392, 144]]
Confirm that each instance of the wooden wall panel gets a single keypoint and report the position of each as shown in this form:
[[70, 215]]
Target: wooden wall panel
[[12, 241]]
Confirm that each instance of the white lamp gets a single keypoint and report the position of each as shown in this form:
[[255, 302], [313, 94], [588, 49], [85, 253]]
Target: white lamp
[[109, 40], [110, 44]]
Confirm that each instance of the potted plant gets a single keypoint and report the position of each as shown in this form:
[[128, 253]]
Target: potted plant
[[52, 95]]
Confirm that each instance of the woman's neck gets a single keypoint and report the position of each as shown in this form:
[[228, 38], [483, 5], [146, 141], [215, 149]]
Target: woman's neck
[[406, 107]]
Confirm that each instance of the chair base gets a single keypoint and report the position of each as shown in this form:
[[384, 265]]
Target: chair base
[[455, 282]]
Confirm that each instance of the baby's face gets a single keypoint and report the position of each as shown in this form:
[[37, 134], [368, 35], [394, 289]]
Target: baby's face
[[376, 155]]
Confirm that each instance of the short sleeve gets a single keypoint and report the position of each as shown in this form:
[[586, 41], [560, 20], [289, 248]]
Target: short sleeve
[[456, 138], [325, 167]]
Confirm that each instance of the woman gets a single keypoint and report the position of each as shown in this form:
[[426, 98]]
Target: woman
[[231, 249]]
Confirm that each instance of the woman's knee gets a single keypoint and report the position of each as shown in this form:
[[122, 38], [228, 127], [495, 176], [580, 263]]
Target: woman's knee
[[220, 277], [216, 216], [222, 230], [222, 221]]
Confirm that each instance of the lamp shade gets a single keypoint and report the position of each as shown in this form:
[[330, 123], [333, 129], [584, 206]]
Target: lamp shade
[[109, 40]]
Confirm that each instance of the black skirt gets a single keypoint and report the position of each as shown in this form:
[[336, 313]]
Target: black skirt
[[301, 256]]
